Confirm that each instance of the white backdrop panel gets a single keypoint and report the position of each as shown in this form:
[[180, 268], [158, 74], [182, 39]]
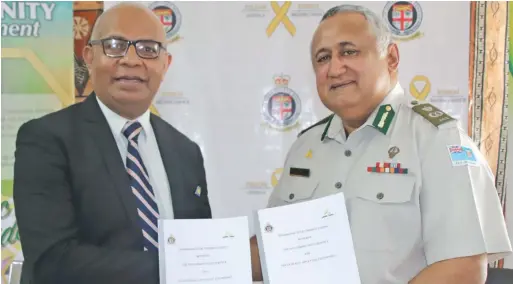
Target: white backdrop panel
[[224, 65]]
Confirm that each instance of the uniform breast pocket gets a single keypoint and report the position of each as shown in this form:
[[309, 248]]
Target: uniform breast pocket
[[384, 213], [293, 189]]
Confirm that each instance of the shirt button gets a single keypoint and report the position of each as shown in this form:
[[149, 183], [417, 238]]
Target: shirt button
[[347, 153], [380, 195], [291, 196], [338, 185]]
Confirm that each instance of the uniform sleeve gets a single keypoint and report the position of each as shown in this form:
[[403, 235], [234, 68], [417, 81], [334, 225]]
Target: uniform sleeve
[[461, 211], [274, 199]]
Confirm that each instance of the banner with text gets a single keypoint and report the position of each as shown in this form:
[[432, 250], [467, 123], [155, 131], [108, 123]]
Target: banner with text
[[37, 78]]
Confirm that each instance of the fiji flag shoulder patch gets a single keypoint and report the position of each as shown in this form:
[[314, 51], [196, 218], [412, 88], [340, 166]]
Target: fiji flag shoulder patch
[[197, 192], [462, 156]]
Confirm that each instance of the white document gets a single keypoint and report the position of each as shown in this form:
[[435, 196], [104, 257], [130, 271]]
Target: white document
[[307, 242], [205, 251]]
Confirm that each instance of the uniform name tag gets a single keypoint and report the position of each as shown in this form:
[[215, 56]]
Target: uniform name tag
[[299, 172]]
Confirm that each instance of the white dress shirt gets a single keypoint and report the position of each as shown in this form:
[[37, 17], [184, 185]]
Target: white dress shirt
[[150, 154]]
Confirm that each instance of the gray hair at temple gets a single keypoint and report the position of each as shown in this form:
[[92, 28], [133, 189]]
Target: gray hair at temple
[[380, 28]]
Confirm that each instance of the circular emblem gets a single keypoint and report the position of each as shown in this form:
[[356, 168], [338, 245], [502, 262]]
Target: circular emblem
[[403, 17], [169, 16], [171, 240], [269, 228], [281, 107]]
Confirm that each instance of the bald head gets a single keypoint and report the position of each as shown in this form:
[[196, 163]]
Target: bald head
[[124, 12], [127, 58]]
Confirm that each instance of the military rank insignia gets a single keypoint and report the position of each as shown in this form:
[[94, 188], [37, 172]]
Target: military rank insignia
[[384, 118], [389, 168]]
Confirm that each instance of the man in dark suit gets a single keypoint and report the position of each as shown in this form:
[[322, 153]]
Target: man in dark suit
[[91, 180]]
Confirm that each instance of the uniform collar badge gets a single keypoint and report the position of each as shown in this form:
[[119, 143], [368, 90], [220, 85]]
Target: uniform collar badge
[[384, 118]]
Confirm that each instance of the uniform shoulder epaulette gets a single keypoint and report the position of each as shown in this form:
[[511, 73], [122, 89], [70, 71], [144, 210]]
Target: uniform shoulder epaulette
[[321, 122], [431, 113]]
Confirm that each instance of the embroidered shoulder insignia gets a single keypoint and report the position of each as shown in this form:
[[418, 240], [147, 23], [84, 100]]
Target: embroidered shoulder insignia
[[431, 113], [321, 122]]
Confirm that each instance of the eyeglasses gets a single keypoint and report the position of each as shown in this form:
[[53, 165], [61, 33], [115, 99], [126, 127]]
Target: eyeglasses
[[115, 47]]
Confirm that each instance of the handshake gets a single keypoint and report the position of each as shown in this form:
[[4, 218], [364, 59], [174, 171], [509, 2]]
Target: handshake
[[307, 242]]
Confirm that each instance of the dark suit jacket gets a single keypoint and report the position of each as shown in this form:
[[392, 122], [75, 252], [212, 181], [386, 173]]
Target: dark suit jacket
[[76, 214]]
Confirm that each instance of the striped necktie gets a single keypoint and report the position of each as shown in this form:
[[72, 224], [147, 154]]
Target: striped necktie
[[141, 188]]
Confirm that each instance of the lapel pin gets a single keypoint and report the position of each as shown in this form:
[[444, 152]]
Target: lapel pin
[[393, 151], [197, 192]]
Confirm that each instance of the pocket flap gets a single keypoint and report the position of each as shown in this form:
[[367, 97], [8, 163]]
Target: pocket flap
[[294, 189], [386, 188]]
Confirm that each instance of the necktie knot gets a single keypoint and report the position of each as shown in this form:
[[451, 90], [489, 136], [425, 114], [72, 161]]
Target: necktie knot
[[132, 130]]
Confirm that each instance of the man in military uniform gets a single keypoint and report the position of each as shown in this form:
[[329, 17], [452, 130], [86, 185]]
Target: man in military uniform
[[420, 196]]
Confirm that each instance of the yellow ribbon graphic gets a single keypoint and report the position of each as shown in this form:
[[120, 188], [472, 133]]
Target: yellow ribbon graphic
[[281, 17], [275, 177], [420, 94]]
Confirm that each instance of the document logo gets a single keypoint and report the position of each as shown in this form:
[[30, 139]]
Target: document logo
[[327, 214], [269, 228], [228, 235], [171, 240]]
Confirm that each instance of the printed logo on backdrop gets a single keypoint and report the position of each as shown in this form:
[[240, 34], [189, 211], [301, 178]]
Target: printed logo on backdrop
[[450, 100], [404, 19], [420, 86], [447, 99], [171, 98], [275, 177], [170, 17], [281, 107], [263, 187], [257, 187], [281, 14]]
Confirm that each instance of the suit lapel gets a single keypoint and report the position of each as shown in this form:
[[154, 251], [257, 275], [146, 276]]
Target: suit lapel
[[102, 135], [170, 152]]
